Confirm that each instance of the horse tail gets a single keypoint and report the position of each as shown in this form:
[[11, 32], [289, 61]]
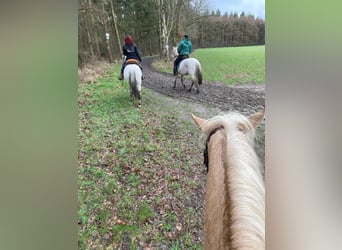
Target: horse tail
[[133, 84], [199, 74]]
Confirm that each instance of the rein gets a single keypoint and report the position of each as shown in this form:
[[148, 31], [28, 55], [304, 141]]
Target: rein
[[205, 151]]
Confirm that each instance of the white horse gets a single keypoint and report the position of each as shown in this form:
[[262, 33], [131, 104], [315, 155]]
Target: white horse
[[132, 74], [189, 66]]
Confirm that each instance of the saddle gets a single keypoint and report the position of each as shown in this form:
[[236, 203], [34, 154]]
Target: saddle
[[133, 61]]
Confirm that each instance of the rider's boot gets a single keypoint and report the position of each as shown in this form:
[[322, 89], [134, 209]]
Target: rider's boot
[[175, 71], [120, 76]]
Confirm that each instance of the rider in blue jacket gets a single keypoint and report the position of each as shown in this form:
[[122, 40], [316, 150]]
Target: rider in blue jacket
[[184, 48]]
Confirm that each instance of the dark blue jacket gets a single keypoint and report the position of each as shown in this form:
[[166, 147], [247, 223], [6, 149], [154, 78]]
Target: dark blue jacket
[[131, 52]]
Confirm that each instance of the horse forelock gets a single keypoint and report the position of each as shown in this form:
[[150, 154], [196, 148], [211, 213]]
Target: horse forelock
[[233, 123]]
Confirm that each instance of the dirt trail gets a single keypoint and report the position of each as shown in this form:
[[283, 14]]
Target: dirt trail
[[246, 99]]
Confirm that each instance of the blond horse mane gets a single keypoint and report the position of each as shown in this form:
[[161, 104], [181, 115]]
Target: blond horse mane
[[235, 192]]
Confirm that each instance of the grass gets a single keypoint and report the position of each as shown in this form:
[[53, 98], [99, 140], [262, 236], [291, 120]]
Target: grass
[[125, 155], [231, 65]]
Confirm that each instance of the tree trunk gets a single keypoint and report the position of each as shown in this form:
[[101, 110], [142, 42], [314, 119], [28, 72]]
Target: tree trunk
[[90, 41], [116, 28], [165, 38], [106, 31], [167, 22], [177, 33], [93, 29]]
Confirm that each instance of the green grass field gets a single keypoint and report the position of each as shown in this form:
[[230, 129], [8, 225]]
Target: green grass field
[[232, 65]]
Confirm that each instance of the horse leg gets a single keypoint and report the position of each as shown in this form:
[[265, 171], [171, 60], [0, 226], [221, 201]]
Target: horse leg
[[131, 93], [197, 87], [174, 82], [192, 83], [139, 98], [182, 81]]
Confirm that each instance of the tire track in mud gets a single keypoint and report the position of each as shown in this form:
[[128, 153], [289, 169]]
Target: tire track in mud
[[246, 99]]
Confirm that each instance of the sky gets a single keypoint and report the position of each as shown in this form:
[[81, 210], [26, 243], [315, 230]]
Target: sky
[[254, 7]]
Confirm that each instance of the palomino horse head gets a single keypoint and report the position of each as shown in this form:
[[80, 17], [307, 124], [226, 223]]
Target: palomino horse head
[[235, 190]]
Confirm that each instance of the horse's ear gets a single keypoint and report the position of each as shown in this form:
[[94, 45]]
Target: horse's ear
[[198, 121], [256, 118]]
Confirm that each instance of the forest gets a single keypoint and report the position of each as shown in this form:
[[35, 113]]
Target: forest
[[158, 25]]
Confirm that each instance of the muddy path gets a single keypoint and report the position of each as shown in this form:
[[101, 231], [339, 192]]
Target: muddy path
[[214, 97], [246, 99]]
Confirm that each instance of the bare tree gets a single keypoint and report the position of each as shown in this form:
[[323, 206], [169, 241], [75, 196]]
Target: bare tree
[[166, 24], [188, 20], [177, 32], [104, 18], [93, 28], [115, 26]]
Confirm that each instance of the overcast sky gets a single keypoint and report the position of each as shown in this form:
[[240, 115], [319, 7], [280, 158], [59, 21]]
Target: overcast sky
[[254, 7]]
